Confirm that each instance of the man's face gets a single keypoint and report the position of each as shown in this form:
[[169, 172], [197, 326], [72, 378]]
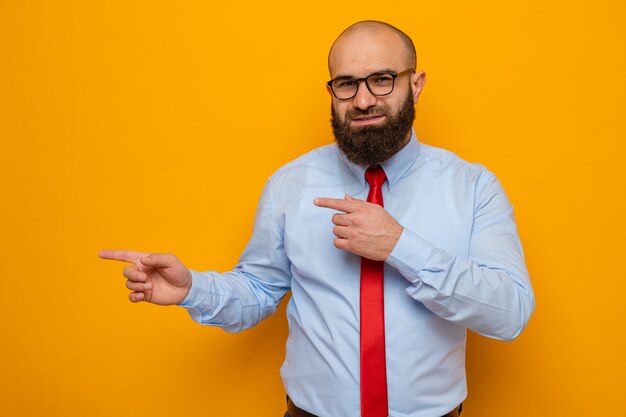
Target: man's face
[[370, 129], [372, 143]]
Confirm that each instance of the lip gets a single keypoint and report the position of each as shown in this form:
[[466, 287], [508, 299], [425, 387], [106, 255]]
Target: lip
[[368, 120]]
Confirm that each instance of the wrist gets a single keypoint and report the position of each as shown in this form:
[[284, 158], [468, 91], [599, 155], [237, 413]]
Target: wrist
[[394, 238]]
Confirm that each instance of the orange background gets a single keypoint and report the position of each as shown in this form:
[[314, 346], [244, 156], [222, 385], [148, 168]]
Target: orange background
[[152, 125]]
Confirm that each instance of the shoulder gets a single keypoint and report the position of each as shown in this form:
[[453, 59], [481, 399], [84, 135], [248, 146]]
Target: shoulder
[[441, 161], [324, 158], [451, 172]]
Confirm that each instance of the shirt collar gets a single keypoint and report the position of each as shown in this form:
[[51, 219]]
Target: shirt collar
[[395, 167]]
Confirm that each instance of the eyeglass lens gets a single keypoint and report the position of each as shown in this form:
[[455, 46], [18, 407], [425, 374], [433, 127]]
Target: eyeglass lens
[[378, 84]]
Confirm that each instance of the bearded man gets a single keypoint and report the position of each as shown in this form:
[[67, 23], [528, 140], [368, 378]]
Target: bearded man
[[391, 249]]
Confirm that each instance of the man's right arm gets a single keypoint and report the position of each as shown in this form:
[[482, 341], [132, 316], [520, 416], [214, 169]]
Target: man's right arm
[[234, 300]]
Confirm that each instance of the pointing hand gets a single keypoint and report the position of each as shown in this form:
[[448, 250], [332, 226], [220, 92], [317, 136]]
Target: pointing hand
[[363, 228], [156, 278]]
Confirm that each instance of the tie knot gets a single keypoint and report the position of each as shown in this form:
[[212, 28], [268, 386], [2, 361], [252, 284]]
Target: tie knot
[[375, 176]]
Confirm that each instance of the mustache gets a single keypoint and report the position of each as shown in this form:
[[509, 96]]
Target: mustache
[[374, 110]]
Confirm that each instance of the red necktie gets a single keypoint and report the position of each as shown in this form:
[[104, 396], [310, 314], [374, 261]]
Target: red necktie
[[373, 366]]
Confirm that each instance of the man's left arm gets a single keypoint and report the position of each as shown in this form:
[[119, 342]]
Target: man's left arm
[[488, 292]]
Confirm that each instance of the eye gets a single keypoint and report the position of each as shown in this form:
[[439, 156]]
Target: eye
[[344, 83], [381, 79]]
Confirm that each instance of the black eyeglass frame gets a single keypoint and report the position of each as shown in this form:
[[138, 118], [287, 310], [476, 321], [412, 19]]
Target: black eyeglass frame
[[394, 75]]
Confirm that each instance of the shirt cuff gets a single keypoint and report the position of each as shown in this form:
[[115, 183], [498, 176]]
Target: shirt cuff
[[410, 255], [196, 302]]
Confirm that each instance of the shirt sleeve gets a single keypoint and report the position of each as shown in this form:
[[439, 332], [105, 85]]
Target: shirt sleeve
[[241, 298], [488, 292]]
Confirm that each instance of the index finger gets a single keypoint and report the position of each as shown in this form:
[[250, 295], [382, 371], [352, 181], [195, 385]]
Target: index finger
[[122, 255], [336, 204]]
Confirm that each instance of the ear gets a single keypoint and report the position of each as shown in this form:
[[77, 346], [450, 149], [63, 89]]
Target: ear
[[417, 83], [329, 90]]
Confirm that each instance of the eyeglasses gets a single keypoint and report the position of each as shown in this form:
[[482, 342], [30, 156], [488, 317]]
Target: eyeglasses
[[378, 83]]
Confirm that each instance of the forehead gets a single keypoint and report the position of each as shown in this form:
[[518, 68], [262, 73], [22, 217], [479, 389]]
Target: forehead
[[364, 52]]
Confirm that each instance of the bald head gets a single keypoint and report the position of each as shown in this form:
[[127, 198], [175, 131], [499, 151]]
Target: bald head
[[372, 29]]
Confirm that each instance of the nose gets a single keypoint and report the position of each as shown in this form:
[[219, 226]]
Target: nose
[[364, 99]]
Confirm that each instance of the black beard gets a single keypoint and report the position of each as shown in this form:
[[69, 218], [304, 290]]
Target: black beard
[[372, 145]]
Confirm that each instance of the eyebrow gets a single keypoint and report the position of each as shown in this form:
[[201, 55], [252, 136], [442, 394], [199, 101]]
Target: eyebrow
[[342, 76]]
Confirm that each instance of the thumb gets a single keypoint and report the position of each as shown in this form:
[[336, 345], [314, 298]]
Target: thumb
[[158, 260]]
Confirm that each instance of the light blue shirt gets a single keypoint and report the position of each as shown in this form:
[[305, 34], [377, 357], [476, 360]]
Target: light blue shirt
[[458, 264]]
